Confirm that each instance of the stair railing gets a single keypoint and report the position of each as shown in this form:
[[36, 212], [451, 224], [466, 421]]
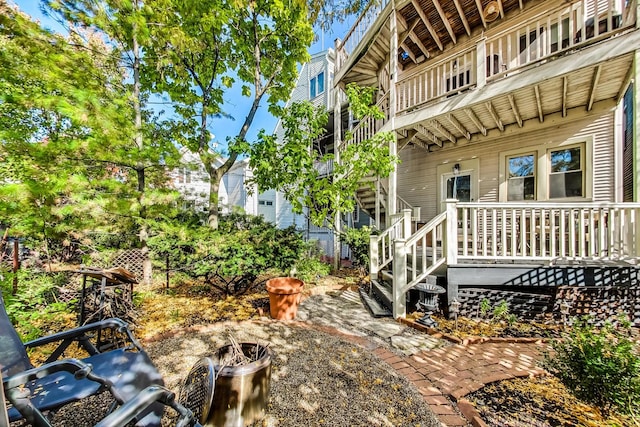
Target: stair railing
[[381, 245], [414, 258]]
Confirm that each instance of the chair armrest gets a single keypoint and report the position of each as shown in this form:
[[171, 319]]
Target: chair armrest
[[142, 401], [71, 334], [76, 367]]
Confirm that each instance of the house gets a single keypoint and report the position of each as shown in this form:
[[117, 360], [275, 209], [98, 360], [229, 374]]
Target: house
[[516, 122], [192, 181], [314, 84]]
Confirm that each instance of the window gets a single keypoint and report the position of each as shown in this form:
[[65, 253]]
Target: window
[[566, 177], [184, 175], [265, 202], [560, 171], [521, 181], [459, 187], [316, 85]]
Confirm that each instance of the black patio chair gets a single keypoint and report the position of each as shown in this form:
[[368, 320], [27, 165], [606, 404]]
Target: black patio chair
[[120, 367]]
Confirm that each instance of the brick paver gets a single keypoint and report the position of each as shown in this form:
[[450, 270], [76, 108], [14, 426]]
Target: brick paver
[[444, 375]]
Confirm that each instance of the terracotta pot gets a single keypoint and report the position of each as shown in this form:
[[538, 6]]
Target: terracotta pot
[[284, 297]]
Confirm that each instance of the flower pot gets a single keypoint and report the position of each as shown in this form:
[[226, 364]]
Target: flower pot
[[284, 297]]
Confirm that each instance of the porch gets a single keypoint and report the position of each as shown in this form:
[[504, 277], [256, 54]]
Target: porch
[[480, 240]]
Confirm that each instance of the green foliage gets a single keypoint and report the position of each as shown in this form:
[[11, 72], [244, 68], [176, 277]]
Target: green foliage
[[485, 307], [232, 257], [358, 241], [501, 310], [601, 366], [289, 165], [36, 301], [310, 267]]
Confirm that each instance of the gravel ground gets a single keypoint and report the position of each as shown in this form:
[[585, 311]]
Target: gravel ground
[[316, 380]]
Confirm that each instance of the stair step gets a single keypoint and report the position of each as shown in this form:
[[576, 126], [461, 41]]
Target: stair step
[[375, 308], [383, 293]]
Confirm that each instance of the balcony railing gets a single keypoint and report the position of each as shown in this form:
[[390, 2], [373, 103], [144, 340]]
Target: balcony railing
[[357, 32], [368, 126], [508, 52]]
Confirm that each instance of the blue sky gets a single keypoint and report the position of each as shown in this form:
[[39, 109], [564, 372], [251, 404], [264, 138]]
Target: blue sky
[[236, 105]]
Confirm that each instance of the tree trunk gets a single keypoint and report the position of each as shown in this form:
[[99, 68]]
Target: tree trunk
[[214, 186]]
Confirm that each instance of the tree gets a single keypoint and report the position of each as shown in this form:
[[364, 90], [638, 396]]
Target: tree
[[288, 165], [144, 154], [69, 135], [203, 49]]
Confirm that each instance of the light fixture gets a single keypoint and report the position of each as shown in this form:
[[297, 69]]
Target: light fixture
[[456, 169], [491, 11]]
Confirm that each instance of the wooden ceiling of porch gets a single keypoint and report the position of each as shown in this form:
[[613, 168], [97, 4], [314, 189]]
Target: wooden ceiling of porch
[[428, 27]]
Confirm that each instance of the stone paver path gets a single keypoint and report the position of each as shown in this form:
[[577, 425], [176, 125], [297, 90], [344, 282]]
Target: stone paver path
[[442, 372]]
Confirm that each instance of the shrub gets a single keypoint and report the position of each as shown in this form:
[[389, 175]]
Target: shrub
[[232, 257], [358, 241], [310, 267], [601, 366]]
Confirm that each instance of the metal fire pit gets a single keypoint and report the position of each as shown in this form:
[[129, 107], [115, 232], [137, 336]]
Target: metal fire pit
[[428, 302], [229, 396]]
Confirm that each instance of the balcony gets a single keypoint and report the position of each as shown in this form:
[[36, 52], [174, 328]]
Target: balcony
[[533, 42]]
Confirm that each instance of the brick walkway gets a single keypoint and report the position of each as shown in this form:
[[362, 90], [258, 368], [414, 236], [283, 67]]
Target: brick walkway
[[442, 373], [447, 374]]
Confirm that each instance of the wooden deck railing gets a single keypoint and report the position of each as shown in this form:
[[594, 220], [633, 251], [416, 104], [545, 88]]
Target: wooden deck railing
[[548, 231], [497, 55], [505, 232], [369, 126]]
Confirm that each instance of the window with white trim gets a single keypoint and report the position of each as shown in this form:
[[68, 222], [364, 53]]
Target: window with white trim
[[316, 85], [566, 175], [558, 172], [521, 178]]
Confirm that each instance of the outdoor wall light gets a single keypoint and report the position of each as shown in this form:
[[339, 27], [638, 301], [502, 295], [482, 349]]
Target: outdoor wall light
[[456, 169]]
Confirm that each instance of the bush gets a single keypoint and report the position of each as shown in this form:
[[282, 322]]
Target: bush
[[600, 366], [232, 257], [310, 267], [358, 241]]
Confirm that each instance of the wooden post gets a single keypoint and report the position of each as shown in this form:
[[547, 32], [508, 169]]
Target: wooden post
[[406, 223], [451, 235], [393, 144], [399, 278], [373, 257], [16, 265], [337, 138], [481, 66]]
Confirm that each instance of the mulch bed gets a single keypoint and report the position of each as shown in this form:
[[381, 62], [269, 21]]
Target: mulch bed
[[540, 401]]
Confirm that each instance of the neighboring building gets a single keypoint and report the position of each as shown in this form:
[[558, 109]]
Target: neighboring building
[[192, 181], [315, 82], [526, 113]]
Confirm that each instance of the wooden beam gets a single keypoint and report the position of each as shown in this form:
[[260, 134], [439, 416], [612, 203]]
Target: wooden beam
[[536, 88], [456, 124], [424, 18], [565, 87], [445, 20], [494, 116], [409, 52], [463, 17], [594, 84], [403, 142], [501, 8], [410, 27], [480, 11], [476, 121], [521, 5], [514, 108], [625, 83], [429, 135], [435, 125], [418, 43]]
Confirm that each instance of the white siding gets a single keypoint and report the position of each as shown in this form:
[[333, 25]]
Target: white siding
[[418, 180]]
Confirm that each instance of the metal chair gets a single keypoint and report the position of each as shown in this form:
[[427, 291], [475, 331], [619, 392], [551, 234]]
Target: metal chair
[[120, 367]]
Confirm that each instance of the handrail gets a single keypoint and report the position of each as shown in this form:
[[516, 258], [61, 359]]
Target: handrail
[[368, 126]]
